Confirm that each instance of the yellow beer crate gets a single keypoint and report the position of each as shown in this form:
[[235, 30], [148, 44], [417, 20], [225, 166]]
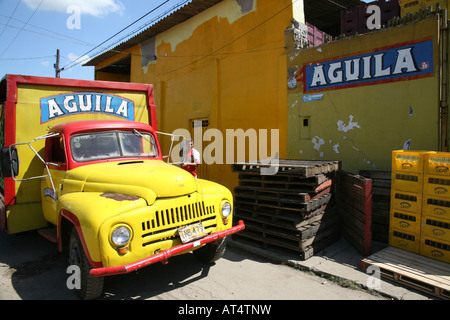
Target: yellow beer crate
[[409, 241], [435, 249], [411, 182], [406, 201], [436, 186], [437, 163], [436, 229], [408, 161], [436, 208], [405, 221]]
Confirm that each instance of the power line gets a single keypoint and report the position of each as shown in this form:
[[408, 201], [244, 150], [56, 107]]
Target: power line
[[10, 17], [62, 37], [28, 58], [66, 67], [35, 10], [232, 41], [76, 40], [137, 30]]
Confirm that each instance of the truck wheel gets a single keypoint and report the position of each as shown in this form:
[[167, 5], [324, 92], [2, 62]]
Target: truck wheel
[[90, 287], [211, 252]]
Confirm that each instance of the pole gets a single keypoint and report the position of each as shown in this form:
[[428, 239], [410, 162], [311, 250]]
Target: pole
[[56, 65]]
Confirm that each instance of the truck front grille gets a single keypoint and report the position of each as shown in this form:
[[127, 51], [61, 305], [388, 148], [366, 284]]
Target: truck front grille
[[178, 216], [164, 224]]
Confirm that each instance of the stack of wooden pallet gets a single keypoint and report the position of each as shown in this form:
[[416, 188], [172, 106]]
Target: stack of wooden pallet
[[381, 196], [290, 211]]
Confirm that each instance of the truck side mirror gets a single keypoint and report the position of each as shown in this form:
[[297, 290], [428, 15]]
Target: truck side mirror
[[9, 162]]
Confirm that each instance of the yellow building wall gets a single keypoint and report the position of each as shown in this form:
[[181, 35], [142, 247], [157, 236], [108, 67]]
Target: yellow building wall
[[226, 65], [361, 125]]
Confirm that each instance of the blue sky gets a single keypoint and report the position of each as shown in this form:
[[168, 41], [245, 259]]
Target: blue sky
[[32, 30]]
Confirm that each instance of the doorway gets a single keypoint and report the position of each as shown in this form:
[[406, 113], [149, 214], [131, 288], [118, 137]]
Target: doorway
[[197, 128]]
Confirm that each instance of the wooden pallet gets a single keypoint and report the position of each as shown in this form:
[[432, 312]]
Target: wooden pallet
[[381, 197], [279, 217], [286, 204], [354, 201], [412, 270], [286, 211], [302, 240], [281, 194], [304, 250], [304, 168], [289, 183]]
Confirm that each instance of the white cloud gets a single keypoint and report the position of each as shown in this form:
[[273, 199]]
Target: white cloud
[[95, 8], [75, 58], [45, 63]]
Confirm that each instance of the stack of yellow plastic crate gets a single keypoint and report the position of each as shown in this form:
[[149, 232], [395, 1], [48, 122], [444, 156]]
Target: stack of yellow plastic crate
[[420, 203], [435, 229], [406, 200]]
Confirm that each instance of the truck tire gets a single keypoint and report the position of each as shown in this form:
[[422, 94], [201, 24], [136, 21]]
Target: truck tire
[[90, 287], [211, 252]]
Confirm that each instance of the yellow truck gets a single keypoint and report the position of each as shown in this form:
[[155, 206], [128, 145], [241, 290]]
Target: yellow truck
[[81, 163]]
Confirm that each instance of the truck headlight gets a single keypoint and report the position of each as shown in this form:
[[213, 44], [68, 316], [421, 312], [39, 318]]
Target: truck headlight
[[226, 209], [121, 235]]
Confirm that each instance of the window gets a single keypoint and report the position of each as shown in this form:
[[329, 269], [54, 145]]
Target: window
[[55, 150]]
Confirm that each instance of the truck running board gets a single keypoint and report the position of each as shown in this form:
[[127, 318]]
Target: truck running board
[[164, 255], [49, 234]]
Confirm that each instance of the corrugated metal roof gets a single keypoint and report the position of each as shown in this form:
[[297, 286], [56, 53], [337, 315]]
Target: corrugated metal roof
[[182, 14], [324, 14]]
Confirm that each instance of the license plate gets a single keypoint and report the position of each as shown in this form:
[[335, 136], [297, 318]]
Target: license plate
[[192, 232]]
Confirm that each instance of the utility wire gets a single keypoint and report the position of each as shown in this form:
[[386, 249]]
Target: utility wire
[[232, 41], [29, 58], [10, 17], [66, 38], [104, 49], [66, 67], [35, 10], [76, 40]]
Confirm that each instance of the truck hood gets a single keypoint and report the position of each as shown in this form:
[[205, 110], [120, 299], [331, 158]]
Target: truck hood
[[149, 179]]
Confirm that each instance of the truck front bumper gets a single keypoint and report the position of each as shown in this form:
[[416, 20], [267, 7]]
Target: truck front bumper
[[164, 255]]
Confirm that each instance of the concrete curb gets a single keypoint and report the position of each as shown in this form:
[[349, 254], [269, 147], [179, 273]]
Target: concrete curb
[[339, 262]]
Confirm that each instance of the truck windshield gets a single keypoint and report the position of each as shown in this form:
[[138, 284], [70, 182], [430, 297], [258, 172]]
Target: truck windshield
[[112, 144]]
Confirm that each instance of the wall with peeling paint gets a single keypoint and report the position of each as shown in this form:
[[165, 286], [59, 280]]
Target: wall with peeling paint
[[226, 65], [361, 123]]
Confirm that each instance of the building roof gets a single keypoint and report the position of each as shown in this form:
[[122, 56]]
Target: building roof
[[180, 15], [324, 14]]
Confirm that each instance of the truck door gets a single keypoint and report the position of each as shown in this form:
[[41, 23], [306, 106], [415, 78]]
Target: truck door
[[55, 156]]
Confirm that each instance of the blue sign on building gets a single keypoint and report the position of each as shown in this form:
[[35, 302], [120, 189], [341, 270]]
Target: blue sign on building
[[396, 63]]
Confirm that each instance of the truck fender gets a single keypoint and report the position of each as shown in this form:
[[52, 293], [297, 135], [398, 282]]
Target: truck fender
[[87, 211], [67, 221]]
